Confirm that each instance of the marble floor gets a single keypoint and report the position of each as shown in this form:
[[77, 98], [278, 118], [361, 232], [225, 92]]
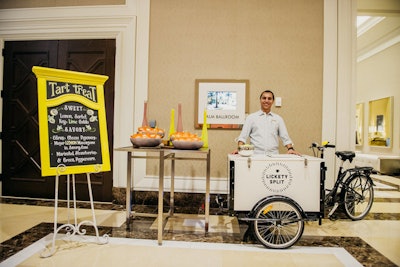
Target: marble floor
[[26, 229]]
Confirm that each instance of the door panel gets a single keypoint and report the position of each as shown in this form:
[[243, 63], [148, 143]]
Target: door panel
[[20, 137], [21, 155], [93, 56]]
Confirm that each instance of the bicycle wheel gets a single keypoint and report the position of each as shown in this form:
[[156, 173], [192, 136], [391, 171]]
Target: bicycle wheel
[[358, 196], [278, 223]]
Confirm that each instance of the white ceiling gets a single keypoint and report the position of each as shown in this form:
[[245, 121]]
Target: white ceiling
[[376, 34], [378, 26]]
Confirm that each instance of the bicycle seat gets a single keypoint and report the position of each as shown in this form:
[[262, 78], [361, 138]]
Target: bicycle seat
[[345, 155]]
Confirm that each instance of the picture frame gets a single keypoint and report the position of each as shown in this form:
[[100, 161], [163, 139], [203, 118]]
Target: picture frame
[[359, 124], [380, 122], [224, 102]]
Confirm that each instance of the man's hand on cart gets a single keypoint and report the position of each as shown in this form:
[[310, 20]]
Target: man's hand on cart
[[294, 152], [236, 151], [291, 150]]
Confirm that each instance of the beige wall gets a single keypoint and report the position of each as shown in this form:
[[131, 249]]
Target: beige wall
[[276, 45], [378, 51], [378, 77]]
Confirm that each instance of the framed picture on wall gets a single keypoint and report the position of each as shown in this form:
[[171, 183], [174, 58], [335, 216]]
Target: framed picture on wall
[[380, 119], [223, 102], [359, 124]]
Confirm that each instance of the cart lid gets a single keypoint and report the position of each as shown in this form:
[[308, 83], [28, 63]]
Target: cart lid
[[273, 157]]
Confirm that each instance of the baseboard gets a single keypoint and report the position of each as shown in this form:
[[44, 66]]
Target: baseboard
[[184, 184]]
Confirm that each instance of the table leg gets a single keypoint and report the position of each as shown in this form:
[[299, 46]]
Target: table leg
[[128, 190], [207, 200], [172, 191], [160, 197]]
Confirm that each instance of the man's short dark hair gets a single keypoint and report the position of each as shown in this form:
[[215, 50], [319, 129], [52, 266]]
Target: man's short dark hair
[[268, 91]]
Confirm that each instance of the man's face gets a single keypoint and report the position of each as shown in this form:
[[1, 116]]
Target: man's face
[[266, 101]]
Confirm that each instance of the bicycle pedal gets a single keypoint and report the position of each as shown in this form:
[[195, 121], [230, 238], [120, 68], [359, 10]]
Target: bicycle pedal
[[329, 203], [333, 218], [333, 209]]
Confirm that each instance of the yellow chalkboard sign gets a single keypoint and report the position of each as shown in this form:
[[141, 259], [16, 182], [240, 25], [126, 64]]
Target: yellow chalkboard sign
[[72, 122]]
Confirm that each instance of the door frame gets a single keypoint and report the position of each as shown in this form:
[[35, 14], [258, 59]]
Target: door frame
[[128, 24]]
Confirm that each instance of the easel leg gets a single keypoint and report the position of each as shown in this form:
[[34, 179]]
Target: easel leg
[[53, 245], [75, 228], [93, 213]]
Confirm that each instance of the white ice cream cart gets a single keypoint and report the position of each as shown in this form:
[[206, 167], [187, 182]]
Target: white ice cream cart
[[277, 193]]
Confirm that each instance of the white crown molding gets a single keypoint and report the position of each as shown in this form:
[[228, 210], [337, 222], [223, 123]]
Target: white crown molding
[[368, 24], [381, 44], [20, 14], [44, 23]]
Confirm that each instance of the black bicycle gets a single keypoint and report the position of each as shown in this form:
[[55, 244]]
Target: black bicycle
[[353, 188]]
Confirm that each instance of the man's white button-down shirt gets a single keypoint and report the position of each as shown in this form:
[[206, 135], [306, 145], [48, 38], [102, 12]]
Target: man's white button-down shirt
[[264, 131]]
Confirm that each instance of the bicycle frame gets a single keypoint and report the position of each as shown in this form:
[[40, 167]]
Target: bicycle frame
[[335, 196]]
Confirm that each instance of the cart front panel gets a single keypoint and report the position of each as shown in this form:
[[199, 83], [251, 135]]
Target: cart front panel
[[257, 177]]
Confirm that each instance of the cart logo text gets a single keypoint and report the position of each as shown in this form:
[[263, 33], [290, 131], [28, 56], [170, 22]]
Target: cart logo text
[[277, 177]]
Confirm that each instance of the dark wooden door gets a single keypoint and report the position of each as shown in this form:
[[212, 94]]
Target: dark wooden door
[[21, 175]]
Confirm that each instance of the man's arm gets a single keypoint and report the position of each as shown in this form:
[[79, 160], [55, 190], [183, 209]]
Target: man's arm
[[244, 134]]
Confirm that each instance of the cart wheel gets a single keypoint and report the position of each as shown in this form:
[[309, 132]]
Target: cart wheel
[[358, 197], [278, 223]]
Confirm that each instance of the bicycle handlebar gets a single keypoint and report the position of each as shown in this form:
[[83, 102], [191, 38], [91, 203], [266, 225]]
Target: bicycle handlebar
[[321, 148], [325, 144]]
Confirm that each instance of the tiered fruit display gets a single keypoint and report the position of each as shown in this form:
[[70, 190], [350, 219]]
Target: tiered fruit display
[[147, 136]]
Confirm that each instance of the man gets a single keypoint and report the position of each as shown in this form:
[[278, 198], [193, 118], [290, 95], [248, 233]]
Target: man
[[264, 128]]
